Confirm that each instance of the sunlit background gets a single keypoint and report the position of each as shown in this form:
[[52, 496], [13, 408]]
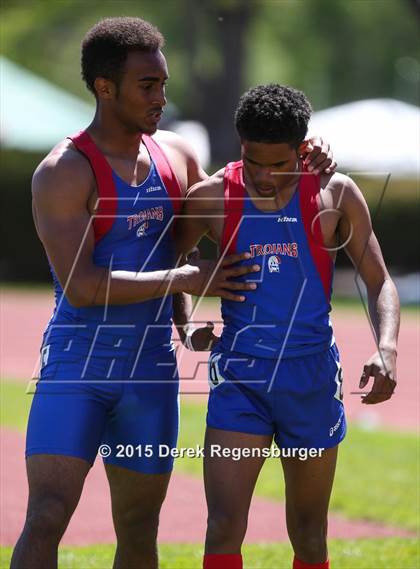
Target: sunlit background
[[358, 61]]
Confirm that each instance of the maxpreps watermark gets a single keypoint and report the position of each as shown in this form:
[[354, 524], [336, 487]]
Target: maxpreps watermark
[[215, 451]]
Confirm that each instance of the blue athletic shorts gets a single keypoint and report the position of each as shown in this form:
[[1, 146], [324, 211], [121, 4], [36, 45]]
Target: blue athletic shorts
[[104, 391], [298, 400]]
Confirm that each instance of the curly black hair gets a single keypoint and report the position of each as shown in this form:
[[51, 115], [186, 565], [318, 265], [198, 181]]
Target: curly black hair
[[273, 114], [106, 46]]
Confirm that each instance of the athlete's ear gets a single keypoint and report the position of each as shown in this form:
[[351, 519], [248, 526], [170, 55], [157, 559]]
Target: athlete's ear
[[105, 88], [304, 148]]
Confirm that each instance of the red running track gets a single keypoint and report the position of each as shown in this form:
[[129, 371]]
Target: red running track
[[24, 316], [183, 516]]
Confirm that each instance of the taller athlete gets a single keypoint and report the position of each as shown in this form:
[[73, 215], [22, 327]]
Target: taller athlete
[[275, 373], [103, 204], [108, 371]]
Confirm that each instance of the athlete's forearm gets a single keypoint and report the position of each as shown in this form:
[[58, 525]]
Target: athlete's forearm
[[384, 310], [182, 306], [102, 287]]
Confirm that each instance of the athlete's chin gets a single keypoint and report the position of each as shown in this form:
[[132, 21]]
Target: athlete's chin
[[149, 128]]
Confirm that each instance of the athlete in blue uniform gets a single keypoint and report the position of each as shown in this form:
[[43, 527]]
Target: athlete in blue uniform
[[104, 202], [275, 373]]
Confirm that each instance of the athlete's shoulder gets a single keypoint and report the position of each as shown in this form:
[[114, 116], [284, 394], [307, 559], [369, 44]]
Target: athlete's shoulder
[[213, 186], [167, 138], [207, 195], [340, 189], [63, 167], [182, 156]]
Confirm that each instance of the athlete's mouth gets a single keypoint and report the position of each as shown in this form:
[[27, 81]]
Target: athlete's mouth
[[268, 190], [156, 115]]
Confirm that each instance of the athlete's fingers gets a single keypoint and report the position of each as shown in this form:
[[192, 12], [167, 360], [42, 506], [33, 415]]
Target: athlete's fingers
[[366, 373], [238, 271], [331, 168], [236, 258], [233, 285], [382, 389], [203, 339], [223, 293], [313, 146], [320, 162]]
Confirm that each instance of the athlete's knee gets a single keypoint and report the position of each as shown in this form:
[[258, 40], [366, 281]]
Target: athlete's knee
[[48, 517], [309, 538], [136, 524], [226, 527]]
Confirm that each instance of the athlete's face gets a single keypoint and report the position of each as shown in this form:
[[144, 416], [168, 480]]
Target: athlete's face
[[269, 167], [140, 98]]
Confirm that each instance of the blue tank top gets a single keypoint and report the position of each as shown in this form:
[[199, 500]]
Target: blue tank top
[[288, 313], [133, 232]]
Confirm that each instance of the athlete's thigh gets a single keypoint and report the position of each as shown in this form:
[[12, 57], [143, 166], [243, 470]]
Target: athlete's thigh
[[309, 483], [229, 482], [66, 419], [135, 495], [143, 427], [55, 483], [73, 397]]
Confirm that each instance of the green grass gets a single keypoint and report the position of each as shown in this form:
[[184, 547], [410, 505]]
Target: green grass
[[361, 554], [14, 405], [377, 474]]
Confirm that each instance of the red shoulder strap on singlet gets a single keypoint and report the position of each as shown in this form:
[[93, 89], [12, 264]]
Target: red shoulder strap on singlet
[[166, 173], [107, 192], [234, 205], [310, 186]]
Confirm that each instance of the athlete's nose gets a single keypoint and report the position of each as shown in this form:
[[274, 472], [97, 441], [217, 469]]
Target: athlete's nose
[[264, 176], [162, 97]]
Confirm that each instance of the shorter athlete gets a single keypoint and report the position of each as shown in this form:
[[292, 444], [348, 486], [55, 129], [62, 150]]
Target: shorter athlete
[[276, 373]]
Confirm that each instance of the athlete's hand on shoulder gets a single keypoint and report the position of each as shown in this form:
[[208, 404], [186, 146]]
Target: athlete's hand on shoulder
[[382, 367], [212, 278], [200, 339], [318, 156]]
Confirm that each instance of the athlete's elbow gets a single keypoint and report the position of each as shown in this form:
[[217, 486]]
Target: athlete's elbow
[[76, 298], [82, 293]]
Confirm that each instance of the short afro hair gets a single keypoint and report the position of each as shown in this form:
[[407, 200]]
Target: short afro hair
[[106, 46], [273, 114]]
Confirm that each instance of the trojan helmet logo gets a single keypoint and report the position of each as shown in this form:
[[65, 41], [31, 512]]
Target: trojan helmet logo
[[141, 231], [274, 264]]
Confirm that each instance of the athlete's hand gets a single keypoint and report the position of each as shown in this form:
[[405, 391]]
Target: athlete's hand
[[382, 367], [212, 278], [201, 339], [318, 156]]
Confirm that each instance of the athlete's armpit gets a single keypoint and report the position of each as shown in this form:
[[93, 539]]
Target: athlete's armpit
[[202, 212]]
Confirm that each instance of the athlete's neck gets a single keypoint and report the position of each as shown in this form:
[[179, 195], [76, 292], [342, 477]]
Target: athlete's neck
[[113, 139]]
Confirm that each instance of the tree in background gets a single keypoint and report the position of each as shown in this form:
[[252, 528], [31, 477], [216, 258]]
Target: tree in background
[[336, 51], [217, 33]]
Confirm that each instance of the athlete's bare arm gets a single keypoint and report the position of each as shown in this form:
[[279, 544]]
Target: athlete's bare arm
[[365, 253], [202, 213], [185, 163], [61, 189]]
